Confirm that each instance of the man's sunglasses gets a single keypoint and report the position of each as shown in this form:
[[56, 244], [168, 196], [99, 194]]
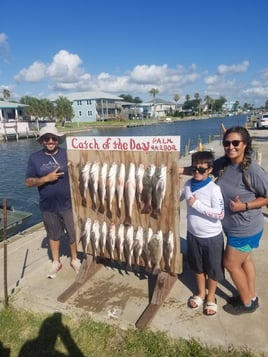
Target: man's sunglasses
[[201, 170], [235, 143], [47, 138]]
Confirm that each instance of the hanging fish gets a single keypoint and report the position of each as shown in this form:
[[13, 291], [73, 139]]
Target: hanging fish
[[138, 244], [111, 182], [93, 183], [103, 237], [102, 186], [85, 235], [156, 251], [168, 249], [111, 240], [159, 183], [128, 246], [84, 182], [148, 234], [120, 186], [94, 238], [130, 191], [147, 190], [139, 184], [119, 242]]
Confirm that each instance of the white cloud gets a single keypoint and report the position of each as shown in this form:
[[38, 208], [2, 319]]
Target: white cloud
[[4, 48], [235, 68], [67, 73], [35, 73]]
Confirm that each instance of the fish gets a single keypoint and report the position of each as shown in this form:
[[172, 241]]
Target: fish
[[147, 190], [94, 238], [128, 245], [85, 235], [119, 242], [138, 244], [111, 240], [120, 186], [103, 238], [139, 184], [93, 183], [111, 182], [159, 189], [168, 249], [148, 234], [102, 186], [156, 251], [84, 182], [130, 191]]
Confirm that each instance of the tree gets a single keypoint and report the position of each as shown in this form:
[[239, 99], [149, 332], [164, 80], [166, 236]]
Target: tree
[[6, 94], [209, 102], [187, 97], [63, 110], [154, 92]]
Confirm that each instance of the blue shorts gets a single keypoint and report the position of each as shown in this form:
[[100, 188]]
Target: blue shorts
[[245, 244]]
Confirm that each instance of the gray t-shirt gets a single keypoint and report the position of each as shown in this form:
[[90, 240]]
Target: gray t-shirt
[[245, 223]]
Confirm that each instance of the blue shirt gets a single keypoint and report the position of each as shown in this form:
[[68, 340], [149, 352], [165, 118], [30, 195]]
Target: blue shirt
[[54, 196]]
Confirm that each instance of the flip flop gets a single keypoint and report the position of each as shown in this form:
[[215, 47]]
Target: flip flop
[[196, 300], [212, 306]]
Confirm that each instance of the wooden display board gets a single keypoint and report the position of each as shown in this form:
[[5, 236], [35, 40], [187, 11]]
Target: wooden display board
[[161, 152]]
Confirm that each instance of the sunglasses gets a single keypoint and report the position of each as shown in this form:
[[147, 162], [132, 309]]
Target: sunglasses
[[235, 143], [47, 138], [201, 170]]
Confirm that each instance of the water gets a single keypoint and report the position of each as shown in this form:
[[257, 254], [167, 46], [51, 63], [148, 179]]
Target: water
[[14, 156]]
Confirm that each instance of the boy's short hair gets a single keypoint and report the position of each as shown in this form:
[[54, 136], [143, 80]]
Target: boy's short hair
[[201, 157]]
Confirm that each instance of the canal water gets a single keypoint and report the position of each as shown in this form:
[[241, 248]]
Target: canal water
[[14, 155]]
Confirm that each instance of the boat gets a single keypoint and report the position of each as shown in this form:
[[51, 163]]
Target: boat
[[14, 219]]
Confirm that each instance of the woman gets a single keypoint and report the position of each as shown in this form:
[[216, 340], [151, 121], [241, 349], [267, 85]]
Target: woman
[[244, 186]]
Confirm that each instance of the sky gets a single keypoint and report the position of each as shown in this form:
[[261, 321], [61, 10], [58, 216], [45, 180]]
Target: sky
[[179, 47]]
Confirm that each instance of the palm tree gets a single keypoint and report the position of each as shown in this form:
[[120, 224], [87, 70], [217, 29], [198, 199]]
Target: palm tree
[[176, 99], [6, 94], [154, 92]]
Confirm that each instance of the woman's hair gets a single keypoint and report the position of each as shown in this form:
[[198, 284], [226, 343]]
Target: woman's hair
[[245, 137]]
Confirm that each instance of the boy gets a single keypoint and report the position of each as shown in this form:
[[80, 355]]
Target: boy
[[205, 210]]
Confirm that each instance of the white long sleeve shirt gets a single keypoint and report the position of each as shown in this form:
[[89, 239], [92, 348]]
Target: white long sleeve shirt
[[205, 215]]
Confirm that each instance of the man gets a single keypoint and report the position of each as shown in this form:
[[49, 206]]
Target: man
[[47, 169]]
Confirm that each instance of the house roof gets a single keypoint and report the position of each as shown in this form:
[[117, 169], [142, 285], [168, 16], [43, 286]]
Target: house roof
[[10, 105], [160, 101], [91, 95]]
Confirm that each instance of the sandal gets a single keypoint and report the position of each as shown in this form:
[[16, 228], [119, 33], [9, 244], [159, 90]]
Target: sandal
[[195, 299], [211, 306]]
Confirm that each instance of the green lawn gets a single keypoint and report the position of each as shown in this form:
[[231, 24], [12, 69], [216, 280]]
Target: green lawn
[[27, 334]]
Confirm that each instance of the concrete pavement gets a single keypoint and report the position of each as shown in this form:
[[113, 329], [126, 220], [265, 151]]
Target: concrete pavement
[[120, 298]]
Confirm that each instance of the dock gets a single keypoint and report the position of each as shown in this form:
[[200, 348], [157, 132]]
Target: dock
[[14, 219]]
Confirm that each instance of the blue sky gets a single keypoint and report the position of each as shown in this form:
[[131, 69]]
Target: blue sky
[[55, 47]]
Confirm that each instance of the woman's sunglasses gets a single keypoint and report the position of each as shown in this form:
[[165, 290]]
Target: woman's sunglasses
[[47, 138], [235, 143], [201, 170]]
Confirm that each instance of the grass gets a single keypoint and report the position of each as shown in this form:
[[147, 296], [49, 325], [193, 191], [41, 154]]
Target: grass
[[27, 334]]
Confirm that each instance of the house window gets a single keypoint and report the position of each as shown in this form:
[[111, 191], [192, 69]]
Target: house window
[[89, 113], [79, 102], [89, 102], [80, 113]]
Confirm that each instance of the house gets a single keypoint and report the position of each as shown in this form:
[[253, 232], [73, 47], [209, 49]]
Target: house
[[94, 106], [158, 108], [11, 111]]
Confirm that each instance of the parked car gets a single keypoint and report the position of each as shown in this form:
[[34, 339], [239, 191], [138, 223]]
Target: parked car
[[262, 121]]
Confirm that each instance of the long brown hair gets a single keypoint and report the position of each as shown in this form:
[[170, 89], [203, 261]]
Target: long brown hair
[[244, 165]]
